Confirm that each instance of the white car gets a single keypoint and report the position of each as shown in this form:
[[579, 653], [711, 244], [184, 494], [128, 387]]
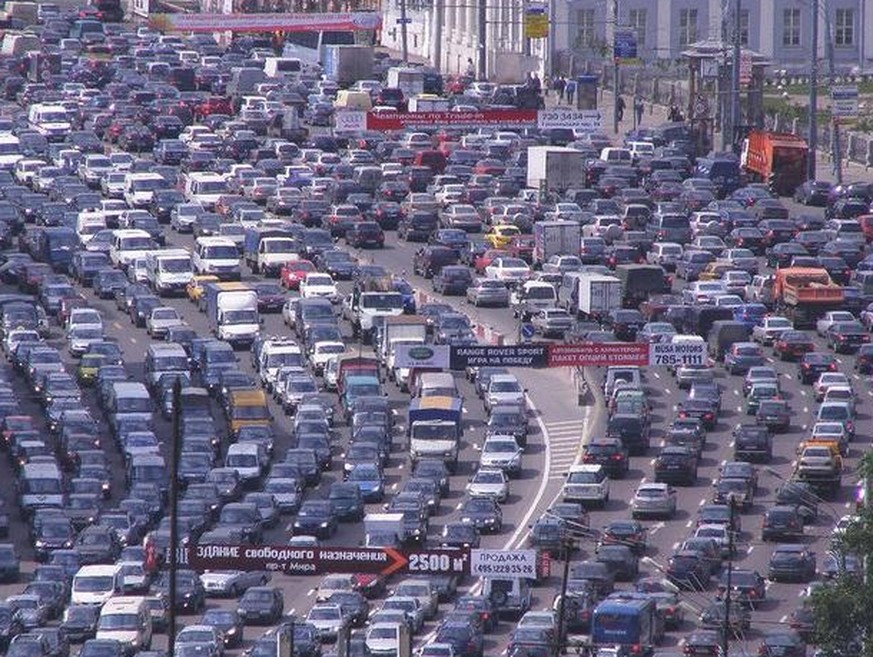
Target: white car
[[586, 483], [727, 301], [160, 319], [333, 583], [489, 482], [831, 432], [770, 329], [721, 534], [80, 317], [501, 452], [508, 270], [832, 317], [323, 352], [383, 639], [826, 380], [703, 291], [81, 337], [328, 620], [317, 284], [504, 389], [843, 394], [288, 311], [231, 583]]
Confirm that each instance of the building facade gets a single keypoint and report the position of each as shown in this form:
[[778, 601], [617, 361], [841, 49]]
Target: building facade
[[447, 32]]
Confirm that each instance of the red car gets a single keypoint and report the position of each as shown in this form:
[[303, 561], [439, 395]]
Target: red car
[[522, 246], [295, 271], [483, 260], [213, 105]]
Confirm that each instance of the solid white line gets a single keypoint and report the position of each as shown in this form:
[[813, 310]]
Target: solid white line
[[564, 423]]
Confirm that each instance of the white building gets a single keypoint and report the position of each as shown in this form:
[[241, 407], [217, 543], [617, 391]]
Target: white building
[[446, 32]]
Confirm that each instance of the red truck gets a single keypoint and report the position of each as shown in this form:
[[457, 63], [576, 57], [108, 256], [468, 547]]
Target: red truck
[[776, 158]]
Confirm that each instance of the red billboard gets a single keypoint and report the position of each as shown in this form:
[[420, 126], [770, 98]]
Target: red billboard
[[278, 22], [598, 354], [499, 118]]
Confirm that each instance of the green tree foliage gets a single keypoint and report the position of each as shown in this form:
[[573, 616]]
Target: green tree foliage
[[843, 609]]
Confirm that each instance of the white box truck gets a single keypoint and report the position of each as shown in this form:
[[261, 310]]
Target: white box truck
[[560, 167], [591, 296], [409, 80], [553, 238]]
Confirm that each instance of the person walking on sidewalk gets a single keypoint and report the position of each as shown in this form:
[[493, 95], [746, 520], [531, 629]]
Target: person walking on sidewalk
[[619, 108], [560, 85], [570, 90], [638, 112]]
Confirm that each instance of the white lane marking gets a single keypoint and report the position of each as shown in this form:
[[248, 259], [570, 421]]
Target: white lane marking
[[658, 526], [657, 376], [751, 548], [803, 393], [668, 391], [310, 592], [689, 525], [116, 325], [702, 502], [806, 409]]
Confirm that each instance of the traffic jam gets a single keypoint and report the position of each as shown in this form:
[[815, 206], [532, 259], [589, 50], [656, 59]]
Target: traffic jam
[[223, 324]]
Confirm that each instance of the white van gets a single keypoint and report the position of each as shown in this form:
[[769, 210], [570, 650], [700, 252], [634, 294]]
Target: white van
[[129, 244], [616, 155], [94, 585], [49, 120], [205, 188], [40, 485], [248, 459], [139, 188], [285, 67], [165, 358], [217, 256], [10, 152], [169, 270], [128, 621], [89, 224], [26, 168]]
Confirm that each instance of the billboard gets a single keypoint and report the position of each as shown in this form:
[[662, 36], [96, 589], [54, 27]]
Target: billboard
[[239, 23], [536, 22], [499, 118]]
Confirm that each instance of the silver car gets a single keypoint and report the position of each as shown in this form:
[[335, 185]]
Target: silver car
[[654, 499], [552, 322], [487, 292], [489, 482], [501, 452]]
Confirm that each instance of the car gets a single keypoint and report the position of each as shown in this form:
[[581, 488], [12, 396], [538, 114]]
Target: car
[[487, 292], [611, 453], [792, 345], [827, 380], [489, 482], [676, 465], [735, 489], [846, 337], [552, 322], [231, 583], [812, 364], [631, 533], [687, 570], [752, 443], [783, 523], [261, 605], [228, 623], [459, 534], [483, 513], [501, 452], [748, 586], [765, 374], [791, 562], [775, 414], [785, 643], [654, 499], [741, 356]]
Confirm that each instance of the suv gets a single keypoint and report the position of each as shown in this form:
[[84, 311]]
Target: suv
[[587, 483], [752, 442]]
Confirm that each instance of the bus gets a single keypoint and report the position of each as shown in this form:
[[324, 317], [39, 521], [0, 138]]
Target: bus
[[630, 620], [307, 46]]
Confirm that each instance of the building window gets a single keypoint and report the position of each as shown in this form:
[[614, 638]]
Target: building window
[[585, 34], [844, 27], [687, 26], [636, 19], [744, 27], [791, 27]]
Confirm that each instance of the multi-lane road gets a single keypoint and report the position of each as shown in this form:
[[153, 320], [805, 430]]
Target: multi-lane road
[[560, 427]]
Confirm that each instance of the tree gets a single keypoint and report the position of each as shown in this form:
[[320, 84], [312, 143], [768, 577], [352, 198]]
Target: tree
[[843, 609]]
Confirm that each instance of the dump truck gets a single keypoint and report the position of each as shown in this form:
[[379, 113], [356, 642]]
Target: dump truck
[[553, 238], [434, 429], [776, 158], [639, 282], [557, 168], [804, 294]]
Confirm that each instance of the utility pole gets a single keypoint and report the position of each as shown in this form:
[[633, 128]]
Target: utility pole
[[836, 151], [483, 39], [812, 137], [404, 33], [616, 90], [726, 626], [736, 111], [562, 601], [175, 449], [437, 35]]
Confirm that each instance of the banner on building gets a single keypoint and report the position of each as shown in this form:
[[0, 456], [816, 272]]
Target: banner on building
[[239, 23], [536, 22], [502, 119]]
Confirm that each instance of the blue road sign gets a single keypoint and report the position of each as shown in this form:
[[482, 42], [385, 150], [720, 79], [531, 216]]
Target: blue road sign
[[527, 331], [625, 46]]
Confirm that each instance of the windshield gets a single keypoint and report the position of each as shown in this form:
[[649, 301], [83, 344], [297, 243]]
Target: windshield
[[279, 246], [176, 265], [136, 244], [93, 583], [240, 317], [221, 253], [388, 301], [116, 622], [147, 185]]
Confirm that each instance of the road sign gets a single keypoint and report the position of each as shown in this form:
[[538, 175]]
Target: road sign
[[350, 121], [565, 117], [745, 69], [671, 354], [533, 355], [317, 561], [844, 103], [591, 354], [624, 47], [527, 331], [504, 563], [404, 21]]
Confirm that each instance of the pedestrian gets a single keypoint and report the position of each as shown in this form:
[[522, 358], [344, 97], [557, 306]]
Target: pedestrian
[[536, 83], [570, 90], [638, 110], [471, 70], [560, 85], [619, 108]]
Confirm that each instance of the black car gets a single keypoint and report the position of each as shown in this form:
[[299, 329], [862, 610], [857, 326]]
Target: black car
[[624, 323], [676, 465], [752, 442], [11, 626], [611, 453], [633, 430], [814, 363], [739, 618], [261, 605], [353, 604], [508, 420], [801, 496], [190, 594], [782, 643], [630, 533], [736, 489], [228, 622], [748, 586], [791, 562], [864, 359], [688, 570], [271, 297], [549, 534], [316, 517], [365, 234], [718, 514], [702, 409], [782, 523], [452, 280], [484, 513], [481, 605], [813, 192]]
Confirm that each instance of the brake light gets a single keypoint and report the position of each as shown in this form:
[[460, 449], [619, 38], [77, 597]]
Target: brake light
[[616, 457]]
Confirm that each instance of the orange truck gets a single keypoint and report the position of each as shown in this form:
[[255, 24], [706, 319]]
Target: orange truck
[[804, 294], [776, 158]]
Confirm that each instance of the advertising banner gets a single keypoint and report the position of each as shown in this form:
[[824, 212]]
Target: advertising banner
[[516, 355], [536, 22], [430, 356], [597, 354], [501, 118], [239, 23]]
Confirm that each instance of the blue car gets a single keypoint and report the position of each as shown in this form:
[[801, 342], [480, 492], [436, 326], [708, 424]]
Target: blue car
[[750, 314], [743, 355], [370, 481]]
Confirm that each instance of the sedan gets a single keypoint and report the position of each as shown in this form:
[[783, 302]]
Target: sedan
[[654, 499], [508, 270], [486, 292], [742, 356], [783, 644], [316, 517], [688, 570], [846, 337], [552, 322], [489, 482], [775, 414], [610, 453], [713, 618], [483, 513], [160, 320], [791, 562]]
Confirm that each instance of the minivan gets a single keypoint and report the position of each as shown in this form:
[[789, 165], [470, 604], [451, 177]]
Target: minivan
[[128, 621], [163, 359], [94, 585]]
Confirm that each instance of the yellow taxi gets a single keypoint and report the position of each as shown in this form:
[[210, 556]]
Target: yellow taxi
[[501, 236], [194, 289], [715, 271]]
